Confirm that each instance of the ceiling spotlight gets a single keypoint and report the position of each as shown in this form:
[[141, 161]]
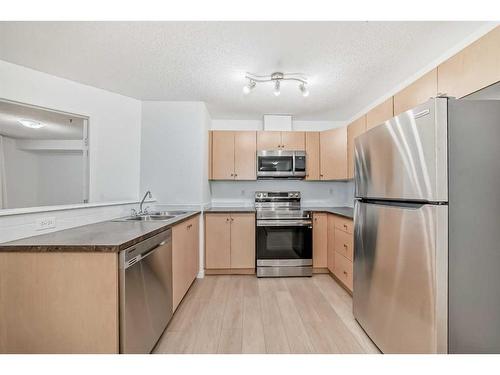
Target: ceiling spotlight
[[249, 87], [31, 124], [303, 89], [276, 78], [277, 91]]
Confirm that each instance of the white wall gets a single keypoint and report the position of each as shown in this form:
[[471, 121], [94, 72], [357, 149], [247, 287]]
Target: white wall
[[226, 124], [114, 144], [21, 176], [60, 177], [114, 126], [314, 193], [174, 164]]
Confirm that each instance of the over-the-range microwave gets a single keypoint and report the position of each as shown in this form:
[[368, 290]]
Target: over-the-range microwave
[[281, 164]]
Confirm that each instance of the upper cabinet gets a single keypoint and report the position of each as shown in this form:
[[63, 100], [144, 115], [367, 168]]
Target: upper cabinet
[[354, 129], [312, 156], [416, 93], [473, 68], [274, 140], [268, 140], [233, 155], [380, 113], [293, 141], [333, 154]]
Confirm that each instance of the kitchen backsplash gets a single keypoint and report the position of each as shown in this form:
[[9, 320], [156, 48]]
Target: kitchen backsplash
[[314, 193]]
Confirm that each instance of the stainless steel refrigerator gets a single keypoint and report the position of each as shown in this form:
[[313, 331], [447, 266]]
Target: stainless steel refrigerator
[[427, 229]]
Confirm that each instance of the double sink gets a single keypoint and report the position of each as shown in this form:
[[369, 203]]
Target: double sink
[[153, 216]]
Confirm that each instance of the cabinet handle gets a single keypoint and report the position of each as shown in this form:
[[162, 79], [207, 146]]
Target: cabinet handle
[[345, 226], [189, 226], [345, 273], [232, 219], [345, 246], [232, 174], [227, 220], [235, 175]]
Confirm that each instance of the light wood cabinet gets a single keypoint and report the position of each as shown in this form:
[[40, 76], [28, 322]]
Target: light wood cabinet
[[293, 141], [320, 240], [312, 156], [354, 129], [217, 241], [417, 93], [245, 155], [268, 140], [331, 242], [223, 155], [286, 140], [380, 114], [229, 241], [333, 154], [233, 155], [344, 270], [185, 256], [242, 240], [343, 243], [473, 68], [210, 161], [344, 224], [59, 302]]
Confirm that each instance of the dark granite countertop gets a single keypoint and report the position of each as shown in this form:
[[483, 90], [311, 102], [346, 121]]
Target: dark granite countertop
[[347, 212], [106, 236], [231, 209]]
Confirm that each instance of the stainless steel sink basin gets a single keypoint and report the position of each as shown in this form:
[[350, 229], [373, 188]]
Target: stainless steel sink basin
[[153, 216], [149, 218]]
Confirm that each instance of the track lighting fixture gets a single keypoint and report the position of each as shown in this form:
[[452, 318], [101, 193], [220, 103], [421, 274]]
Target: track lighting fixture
[[276, 77]]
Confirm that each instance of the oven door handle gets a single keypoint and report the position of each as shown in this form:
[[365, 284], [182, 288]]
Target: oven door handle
[[284, 223]]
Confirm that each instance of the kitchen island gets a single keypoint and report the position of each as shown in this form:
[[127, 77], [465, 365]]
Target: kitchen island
[[59, 292]]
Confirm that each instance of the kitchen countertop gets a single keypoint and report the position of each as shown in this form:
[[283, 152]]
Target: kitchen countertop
[[106, 236], [347, 212], [231, 209]]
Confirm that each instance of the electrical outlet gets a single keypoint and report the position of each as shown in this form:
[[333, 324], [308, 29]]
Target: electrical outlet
[[46, 223]]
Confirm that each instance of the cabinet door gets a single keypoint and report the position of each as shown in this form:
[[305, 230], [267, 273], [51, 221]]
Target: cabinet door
[[194, 253], [242, 240], [417, 93], [380, 113], [245, 148], [331, 242], [473, 68], [223, 155], [210, 153], [312, 155], [343, 270], [268, 140], [356, 128], [217, 241], [320, 240], [293, 141], [333, 154]]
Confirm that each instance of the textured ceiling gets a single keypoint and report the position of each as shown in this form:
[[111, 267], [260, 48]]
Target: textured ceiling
[[350, 64]]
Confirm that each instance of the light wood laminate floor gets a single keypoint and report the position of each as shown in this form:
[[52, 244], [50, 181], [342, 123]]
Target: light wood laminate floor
[[244, 314]]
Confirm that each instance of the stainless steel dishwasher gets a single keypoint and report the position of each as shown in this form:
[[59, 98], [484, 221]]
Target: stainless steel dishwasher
[[145, 292]]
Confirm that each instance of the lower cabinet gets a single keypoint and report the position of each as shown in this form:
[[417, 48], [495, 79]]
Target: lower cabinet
[[339, 246], [320, 240], [185, 256], [230, 242]]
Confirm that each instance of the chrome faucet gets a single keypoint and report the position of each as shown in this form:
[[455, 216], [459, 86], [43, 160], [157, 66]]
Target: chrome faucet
[[148, 194]]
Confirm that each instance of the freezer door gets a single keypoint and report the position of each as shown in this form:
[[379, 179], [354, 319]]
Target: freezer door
[[405, 158], [400, 276]]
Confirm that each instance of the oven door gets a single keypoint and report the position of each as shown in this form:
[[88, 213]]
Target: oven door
[[275, 164], [284, 244]]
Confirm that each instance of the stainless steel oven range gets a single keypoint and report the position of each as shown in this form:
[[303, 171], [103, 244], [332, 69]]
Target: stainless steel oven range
[[283, 235]]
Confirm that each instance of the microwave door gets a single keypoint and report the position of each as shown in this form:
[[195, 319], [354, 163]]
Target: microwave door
[[275, 166]]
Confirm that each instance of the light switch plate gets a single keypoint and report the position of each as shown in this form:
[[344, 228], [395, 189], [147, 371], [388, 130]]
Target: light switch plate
[[45, 223]]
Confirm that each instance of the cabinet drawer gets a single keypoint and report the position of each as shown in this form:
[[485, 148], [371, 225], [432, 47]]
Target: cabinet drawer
[[343, 270], [344, 224], [343, 243]]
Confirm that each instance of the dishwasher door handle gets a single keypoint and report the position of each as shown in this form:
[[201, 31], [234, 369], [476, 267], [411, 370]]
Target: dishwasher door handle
[[144, 255]]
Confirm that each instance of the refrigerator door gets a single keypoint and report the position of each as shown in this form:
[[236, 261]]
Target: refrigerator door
[[400, 276], [406, 157]]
